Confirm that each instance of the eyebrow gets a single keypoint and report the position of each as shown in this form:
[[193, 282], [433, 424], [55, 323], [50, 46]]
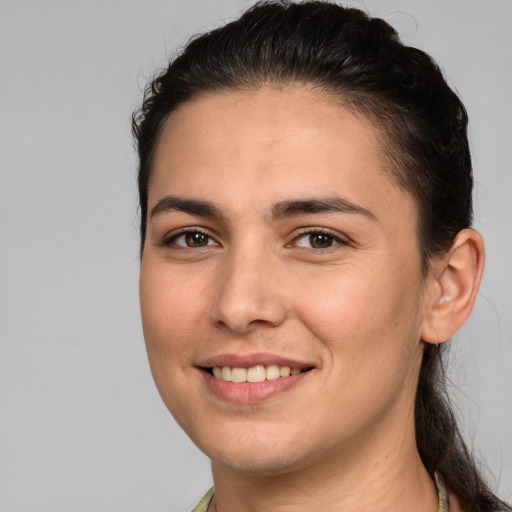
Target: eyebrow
[[203, 208], [324, 205], [197, 207]]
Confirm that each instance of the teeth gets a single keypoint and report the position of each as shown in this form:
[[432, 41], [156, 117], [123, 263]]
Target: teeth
[[239, 375], [257, 373], [284, 371], [225, 374], [273, 372]]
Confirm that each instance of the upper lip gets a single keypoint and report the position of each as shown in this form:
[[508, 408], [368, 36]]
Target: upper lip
[[249, 360]]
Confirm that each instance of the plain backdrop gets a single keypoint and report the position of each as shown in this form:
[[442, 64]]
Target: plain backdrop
[[82, 427]]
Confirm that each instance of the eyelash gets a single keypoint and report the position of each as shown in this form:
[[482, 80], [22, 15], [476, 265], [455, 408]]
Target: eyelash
[[171, 239], [333, 237]]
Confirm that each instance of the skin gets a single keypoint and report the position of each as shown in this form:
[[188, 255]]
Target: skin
[[342, 437]]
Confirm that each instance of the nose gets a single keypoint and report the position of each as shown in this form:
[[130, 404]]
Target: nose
[[248, 293]]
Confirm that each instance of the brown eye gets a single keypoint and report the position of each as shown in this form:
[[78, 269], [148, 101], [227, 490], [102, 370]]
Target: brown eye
[[320, 240], [192, 239], [196, 239]]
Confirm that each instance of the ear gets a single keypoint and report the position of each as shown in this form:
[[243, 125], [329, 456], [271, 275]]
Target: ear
[[453, 286]]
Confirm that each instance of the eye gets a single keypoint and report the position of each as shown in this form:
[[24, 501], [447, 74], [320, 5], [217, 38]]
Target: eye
[[191, 239], [318, 240]]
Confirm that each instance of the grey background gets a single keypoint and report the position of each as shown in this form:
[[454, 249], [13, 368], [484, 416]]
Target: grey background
[[81, 425]]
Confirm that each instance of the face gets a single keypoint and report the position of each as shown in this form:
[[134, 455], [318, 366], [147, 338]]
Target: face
[[281, 288]]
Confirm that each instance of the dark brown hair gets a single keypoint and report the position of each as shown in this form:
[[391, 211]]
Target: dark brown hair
[[361, 62]]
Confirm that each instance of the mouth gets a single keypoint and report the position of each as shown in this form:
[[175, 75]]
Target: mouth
[[253, 378], [253, 374]]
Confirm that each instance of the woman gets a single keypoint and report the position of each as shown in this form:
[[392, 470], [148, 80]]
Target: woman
[[305, 189]]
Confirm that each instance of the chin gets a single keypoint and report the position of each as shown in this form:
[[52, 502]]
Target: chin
[[259, 462], [256, 452]]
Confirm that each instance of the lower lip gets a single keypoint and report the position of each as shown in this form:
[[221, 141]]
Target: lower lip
[[251, 392]]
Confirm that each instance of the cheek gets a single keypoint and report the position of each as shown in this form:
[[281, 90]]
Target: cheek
[[368, 326], [169, 316], [364, 313], [170, 320]]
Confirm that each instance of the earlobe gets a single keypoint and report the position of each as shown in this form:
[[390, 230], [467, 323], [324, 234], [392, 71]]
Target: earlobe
[[454, 286]]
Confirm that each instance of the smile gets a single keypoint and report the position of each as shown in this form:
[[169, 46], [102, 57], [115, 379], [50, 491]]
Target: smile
[[257, 373], [253, 378]]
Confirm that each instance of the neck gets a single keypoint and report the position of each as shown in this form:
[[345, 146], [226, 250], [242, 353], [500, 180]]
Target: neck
[[360, 478]]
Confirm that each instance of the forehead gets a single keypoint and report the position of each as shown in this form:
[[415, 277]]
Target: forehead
[[272, 143]]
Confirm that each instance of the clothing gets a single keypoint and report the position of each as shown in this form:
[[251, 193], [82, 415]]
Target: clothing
[[444, 506], [442, 492], [202, 506]]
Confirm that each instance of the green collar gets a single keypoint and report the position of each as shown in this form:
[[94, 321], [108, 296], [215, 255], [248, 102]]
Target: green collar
[[440, 485]]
